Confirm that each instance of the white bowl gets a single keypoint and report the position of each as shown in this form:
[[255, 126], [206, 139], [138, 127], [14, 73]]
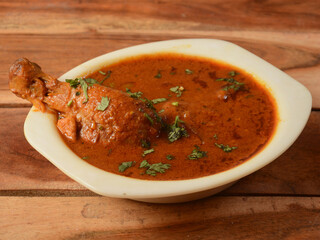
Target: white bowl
[[293, 101]]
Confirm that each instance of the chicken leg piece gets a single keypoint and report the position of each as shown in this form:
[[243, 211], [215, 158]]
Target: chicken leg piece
[[124, 121]]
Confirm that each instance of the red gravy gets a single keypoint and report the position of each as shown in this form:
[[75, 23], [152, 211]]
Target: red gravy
[[227, 114]]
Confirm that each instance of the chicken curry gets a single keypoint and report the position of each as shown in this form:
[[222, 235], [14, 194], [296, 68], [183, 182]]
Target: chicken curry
[[156, 117]]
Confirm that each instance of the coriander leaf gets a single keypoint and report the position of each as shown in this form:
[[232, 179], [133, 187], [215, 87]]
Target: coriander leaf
[[158, 100], [84, 86], [78, 93], [215, 136], [106, 77], [225, 148], [148, 117], [91, 81], [188, 71], [69, 103], [170, 157], [147, 152], [175, 132], [197, 153], [158, 75], [103, 73], [178, 90], [103, 104], [134, 95], [233, 73], [74, 83], [145, 143], [153, 169], [175, 104], [85, 157], [125, 165], [161, 111], [233, 84]]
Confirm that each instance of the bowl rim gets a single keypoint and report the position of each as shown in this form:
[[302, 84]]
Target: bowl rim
[[290, 96]]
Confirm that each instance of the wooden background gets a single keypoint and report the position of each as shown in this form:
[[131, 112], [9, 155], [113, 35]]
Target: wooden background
[[37, 201]]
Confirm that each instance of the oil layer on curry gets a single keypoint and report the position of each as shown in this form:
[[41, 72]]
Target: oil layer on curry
[[156, 117]]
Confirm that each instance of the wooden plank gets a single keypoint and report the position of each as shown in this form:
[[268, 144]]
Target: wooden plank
[[204, 15], [301, 62], [212, 218], [22, 168]]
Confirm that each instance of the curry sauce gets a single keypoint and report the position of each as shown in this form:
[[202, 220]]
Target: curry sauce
[[213, 117]]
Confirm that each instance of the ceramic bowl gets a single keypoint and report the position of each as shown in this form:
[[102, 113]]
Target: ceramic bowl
[[293, 101]]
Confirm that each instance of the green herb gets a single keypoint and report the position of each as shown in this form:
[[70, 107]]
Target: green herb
[[215, 136], [85, 158], [103, 73], [175, 131], [233, 73], [125, 165], [178, 90], [234, 84], [158, 100], [101, 127], [145, 143], [91, 81], [153, 169], [173, 73], [175, 104], [69, 103], [225, 148], [134, 95], [148, 117], [170, 157], [197, 153], [78, 93], [103, 104], [106, 77], [147, 152], [161, 111], [158, 75], [188, 71], [84, 86], [74, 83]]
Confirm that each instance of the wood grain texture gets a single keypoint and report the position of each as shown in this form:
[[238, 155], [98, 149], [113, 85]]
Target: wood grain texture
[[64, 16], [211, 218], [59, 53], [21, 168]]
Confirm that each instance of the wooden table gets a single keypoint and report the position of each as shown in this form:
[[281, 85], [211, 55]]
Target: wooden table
[[37, 201]]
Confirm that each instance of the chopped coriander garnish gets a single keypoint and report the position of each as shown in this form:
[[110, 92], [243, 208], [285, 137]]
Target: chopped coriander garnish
[[74, 83], [69, 103], [85, 157], [178, 90], [106, 77], [225, 148], [125, 165], [148, 117], [145, 143], [91, 81], [101, 127], [234, 84], [103, 104], [158, 75], [197, 153], [161, 111], [147, 152], [134, 95], [78, 93], [175, 104], [175, 131], [233, 73], [173, 73], [170, 157], [215, 136], [158, 100], [103, 73], [188, 71], [153, 169], [84, 86]]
